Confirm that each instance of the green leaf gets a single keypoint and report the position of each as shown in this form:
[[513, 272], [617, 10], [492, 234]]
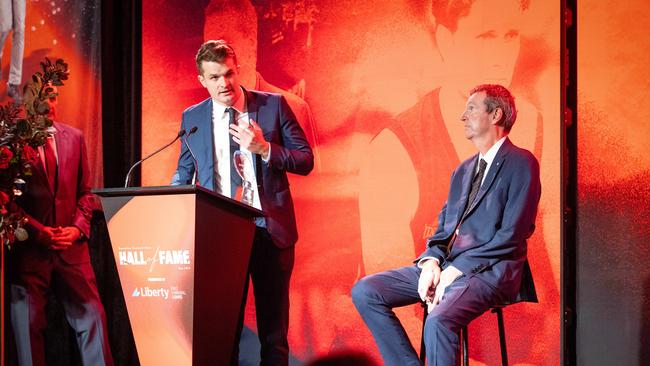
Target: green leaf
[[42, 107], [23, 128]]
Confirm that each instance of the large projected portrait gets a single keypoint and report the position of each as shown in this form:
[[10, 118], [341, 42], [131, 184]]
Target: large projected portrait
[[378, 88]]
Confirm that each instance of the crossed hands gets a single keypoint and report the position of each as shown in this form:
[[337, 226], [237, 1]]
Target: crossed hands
[[58, 238], [433, 282], [251, 138]]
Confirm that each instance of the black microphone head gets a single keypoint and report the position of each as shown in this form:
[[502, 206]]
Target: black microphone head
[[181, 133], [192, 130]]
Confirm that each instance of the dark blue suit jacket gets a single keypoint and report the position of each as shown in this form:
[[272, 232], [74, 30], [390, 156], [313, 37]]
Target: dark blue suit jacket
[[290, 152], [492, 237]]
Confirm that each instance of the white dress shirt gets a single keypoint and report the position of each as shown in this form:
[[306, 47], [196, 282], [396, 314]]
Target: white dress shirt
[[221, 136], [489, 157]]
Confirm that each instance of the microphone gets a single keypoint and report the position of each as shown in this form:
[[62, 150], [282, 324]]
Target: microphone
[[196, 163], [127, 180]]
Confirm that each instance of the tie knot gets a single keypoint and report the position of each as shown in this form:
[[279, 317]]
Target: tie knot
[[231, 113], [482, 165]]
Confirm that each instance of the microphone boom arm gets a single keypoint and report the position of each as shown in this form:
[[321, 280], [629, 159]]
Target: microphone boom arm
[[127, 180]]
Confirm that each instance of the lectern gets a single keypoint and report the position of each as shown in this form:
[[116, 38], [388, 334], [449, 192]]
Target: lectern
[[182, 255]]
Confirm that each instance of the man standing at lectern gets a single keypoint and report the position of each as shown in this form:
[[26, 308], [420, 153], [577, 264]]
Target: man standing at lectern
[[264, 130], [58, 205]]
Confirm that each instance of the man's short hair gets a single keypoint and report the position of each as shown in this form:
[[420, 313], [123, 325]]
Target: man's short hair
[[497, 96], [214, 51], [448, 12]]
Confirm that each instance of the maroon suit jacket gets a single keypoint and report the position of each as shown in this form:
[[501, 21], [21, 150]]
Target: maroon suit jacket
[[70, 205]]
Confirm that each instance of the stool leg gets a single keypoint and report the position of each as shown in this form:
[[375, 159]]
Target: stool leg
[[465, 346], [502, 336], [423, 347]]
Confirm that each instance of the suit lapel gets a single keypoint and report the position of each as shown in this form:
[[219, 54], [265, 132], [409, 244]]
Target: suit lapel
[[467, 186], [252, 108], [39, 173], [206, 136]]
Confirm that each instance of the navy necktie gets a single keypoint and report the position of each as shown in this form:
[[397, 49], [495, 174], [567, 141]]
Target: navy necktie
[[476, 185]]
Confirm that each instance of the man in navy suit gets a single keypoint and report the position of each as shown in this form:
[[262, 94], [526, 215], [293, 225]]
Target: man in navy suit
[[264, 130], [476, 257], [58, 205]]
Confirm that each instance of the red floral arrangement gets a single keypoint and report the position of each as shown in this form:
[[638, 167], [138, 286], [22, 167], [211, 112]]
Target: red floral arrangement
[[23, 129]]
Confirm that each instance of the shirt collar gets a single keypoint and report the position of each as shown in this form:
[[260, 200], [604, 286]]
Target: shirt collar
[[240, 105], [492, 152]]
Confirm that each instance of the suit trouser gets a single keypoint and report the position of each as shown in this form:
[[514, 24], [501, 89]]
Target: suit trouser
[[12, 17], [76, 287], [270, 271], [376, 295]]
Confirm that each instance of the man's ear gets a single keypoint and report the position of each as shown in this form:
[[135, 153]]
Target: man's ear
[[201, 80], [497, 116], [444, 41]]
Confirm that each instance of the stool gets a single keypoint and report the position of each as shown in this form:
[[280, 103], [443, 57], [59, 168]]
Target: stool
[[526, 293], [498, 310]]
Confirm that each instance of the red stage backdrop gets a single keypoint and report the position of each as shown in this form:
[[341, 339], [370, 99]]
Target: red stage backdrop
[[386, 83], [70, 30]]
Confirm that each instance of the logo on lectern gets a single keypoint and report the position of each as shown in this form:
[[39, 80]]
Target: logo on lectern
[[148, 256], [177, 294], [150, 292]]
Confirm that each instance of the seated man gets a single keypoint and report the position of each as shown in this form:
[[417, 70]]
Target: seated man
[[476, 257]]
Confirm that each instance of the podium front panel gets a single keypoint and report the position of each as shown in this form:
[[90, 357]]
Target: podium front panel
[[153, 242]]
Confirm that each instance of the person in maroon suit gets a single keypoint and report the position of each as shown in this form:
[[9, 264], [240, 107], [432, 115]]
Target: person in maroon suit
[[58, 204]]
